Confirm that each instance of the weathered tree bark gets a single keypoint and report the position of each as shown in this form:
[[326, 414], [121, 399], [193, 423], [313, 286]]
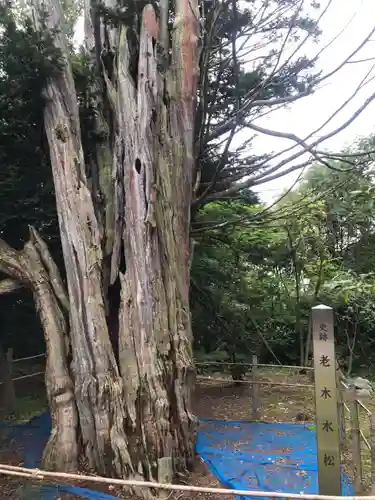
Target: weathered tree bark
[[134, 415], [98, 385], [33, 267], [9, 286], [155, 331]]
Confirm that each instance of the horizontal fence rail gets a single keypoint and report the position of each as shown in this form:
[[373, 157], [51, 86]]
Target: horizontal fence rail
[[243, 363], [351, 406], [42, 475], [252, 382], [42, 355]]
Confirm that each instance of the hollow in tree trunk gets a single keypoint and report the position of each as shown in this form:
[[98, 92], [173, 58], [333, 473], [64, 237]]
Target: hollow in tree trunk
[[128, 202]]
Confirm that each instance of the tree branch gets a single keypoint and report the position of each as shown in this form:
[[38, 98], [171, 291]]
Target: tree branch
[[276, 168], [10, 262], [51, 267], [361, 84], [9, 286], [249, 101]]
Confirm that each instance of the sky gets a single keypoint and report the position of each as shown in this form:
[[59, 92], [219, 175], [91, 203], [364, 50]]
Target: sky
[[309, 113]]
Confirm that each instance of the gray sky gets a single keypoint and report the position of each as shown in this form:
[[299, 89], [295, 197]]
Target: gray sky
[[311, 112]]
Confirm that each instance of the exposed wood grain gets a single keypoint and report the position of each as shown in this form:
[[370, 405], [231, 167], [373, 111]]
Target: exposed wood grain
[[137, 200], [98, 385], [9, 286], [28, 267]]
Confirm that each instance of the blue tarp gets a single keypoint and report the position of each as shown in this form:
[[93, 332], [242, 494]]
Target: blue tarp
[[242, 455], [262, 456], [33, 436]]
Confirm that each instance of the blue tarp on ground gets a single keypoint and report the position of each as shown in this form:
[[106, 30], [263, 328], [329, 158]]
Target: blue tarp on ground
[[262, 456], [242, 455], [33, 436]]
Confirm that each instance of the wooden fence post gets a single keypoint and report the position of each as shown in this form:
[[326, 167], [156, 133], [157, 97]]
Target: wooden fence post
[[7, 386], [372, 442], [356, 442], [255, 389], [11, 393]]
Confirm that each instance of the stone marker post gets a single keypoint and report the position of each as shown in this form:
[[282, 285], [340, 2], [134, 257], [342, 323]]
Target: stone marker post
[[327, 417]]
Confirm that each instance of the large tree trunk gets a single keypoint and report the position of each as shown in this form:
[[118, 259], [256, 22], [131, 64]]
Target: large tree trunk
[[134, 413], [98, 385], [155, 331]]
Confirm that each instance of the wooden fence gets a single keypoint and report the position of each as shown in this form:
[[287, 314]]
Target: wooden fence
[[348, 403], [354, 407], [7, 384]]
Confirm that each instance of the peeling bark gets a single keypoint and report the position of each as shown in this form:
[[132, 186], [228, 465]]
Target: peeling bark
[[9, 286], [33, 267], [155, 160], [135, 416], [98, 385]]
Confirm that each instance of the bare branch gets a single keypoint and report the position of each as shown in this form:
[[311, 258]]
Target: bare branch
[[292, 137], [261, 178], [352, 54], [341, 156], [367, 59], [10, 263], [9, 285], [266, 177], [249, 101], [362, 83]]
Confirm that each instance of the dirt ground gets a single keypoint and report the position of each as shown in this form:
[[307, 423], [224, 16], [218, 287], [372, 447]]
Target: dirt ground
[[218, 400], [10, 485]]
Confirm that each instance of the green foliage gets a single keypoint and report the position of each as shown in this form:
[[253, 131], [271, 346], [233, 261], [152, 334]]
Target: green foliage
[[27, 196], [228, 284], [26, 61], [72, 9], [254, 282]]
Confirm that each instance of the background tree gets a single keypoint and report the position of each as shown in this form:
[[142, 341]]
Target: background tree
[[278, 262]]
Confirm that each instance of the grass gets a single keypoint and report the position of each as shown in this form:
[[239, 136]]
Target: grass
[[27, 407]]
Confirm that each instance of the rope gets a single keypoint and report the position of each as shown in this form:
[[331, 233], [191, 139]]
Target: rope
[[28, 376], [201, 363], [25, 376], [38, 474], [365, 440], [251, 382], [242, 363], [43, 354], [201, 378]]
